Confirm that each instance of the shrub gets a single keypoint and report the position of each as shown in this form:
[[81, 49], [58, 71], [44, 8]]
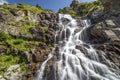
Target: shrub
[[4, 36]]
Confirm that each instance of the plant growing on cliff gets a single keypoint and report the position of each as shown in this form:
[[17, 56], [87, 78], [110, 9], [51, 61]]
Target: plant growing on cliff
[[4, 36], [80, 9], [6, 61]]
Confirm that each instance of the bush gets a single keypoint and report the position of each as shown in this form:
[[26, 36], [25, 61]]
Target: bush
[[4, 36]]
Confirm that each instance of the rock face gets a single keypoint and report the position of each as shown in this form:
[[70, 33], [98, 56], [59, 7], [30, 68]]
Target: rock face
[[104, 35], [112, 6], [27, 32]]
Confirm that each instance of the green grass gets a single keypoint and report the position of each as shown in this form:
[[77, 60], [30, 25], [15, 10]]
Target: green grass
[[7, 6], [35, 9], [6, 61], [25, 29], [98, 27], [83, 8], [4, 36], [44, 29], [23, 6], [20, 44], [5, 11]]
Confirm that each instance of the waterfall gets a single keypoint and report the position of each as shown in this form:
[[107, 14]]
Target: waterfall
[[77, 59]]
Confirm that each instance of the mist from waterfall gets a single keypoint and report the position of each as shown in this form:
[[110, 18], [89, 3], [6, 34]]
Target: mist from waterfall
[[77, 60]]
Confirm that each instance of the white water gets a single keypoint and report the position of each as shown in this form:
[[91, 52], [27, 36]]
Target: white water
[[40, 72], [75, 64]]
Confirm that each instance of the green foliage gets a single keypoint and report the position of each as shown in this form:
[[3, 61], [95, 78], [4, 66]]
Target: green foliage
[[22, 61], [25, 29], [23, 69], [35, 9], [87, 7], [21, 44], [5, 11], [98, 2], [60, 11], [98, 27], [18, 44], [7, 6], [6, 61], [4, 36], [44, 29], [71, 12], [81, 9]]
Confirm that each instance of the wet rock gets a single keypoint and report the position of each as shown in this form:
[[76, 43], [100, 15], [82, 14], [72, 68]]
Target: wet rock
[[67, 33], [65, 21], [81, 48]]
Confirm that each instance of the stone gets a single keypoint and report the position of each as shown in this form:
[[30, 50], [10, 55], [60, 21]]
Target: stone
[[13, 75], [81, 48], [111, 35], [110, 23]]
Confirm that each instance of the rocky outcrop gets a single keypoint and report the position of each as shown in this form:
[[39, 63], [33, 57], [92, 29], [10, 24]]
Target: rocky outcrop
[[27, 33], [104, 35], [111, 6]]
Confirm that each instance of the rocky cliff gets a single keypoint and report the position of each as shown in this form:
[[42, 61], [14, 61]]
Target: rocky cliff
[[104, 33], [26, 36]]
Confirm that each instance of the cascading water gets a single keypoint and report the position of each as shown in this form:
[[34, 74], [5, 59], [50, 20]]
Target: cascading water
[[76, 63]]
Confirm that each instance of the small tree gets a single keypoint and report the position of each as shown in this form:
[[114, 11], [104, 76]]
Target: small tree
[[38, 6]]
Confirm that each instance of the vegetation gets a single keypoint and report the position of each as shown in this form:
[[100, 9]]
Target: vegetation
[[16, 38], [25, 29], [82, 9], [5, 11], [21, 44], [44, 28], [4, 36], [22, 6], [18, 44], [6, 61], [35, 9]]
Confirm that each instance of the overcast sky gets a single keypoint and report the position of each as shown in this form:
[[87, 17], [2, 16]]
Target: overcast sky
[[47, 4]]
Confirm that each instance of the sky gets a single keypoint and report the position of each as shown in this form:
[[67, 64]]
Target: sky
[[54, 5]]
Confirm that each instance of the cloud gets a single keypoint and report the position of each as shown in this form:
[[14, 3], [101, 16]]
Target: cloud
[[3, 1]]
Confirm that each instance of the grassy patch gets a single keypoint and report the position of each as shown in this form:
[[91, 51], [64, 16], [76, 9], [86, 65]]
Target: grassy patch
[[18, 44], [5, 11], [82, 9], [23, 6], [6, 61], [25, 29], [98, 27], [30, 8], [4, 36], [44, 29]]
